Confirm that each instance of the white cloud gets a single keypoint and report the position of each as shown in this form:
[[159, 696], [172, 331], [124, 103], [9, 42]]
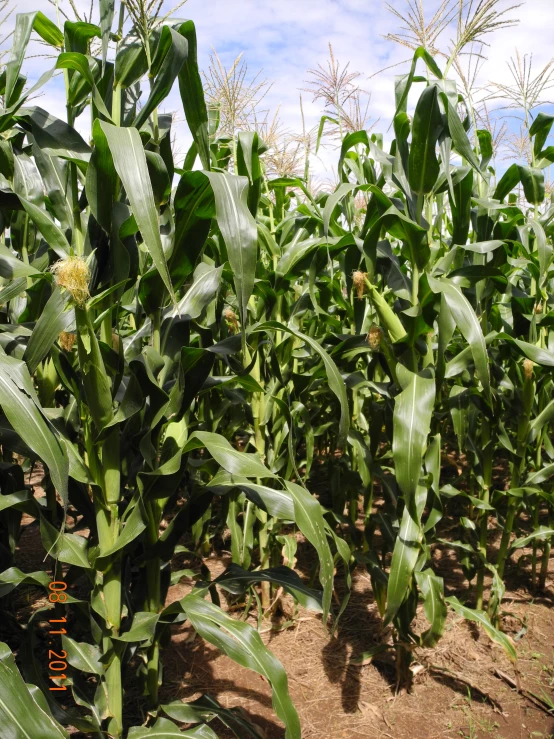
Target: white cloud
[[288, 37]]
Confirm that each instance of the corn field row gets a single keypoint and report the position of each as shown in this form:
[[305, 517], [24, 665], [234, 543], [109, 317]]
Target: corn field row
[[189, 353]]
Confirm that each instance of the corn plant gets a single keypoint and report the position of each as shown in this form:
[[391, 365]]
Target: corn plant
[[132, 364], [191, 349]]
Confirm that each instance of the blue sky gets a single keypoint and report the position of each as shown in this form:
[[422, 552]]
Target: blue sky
[[288, 37]]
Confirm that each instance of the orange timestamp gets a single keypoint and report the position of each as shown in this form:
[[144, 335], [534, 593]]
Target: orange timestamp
[[57, 663]]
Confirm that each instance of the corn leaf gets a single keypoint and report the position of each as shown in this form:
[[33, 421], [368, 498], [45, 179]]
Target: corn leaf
[[130, 163], [473, 614], [21, 406], [239, 232], [243, 644], [21, 715]]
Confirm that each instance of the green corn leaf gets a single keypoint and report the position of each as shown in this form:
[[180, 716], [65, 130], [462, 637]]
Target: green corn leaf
[[294, 253], [18, 499], [531, 351], [336, 382], [309, 517], [543, 533], [323, 120], [482, 247], [194, 209], [233, 461], [458, 134], [12, 268], [47, 30], [27, 181], [53, 171], [469, 326], [235, 579], [107, 9], [15, 287], [53, 234], [539, 130], [132, 529], [131, 62], [278, 503], [481, 618], [408, 231], [508, 181], [432, 589], [80, 64], [248, 165], [535, 478], [13, 577], [165, 729], [192, 95], [206, 708], [68, 548], [427, 125], [21, 715], [142, 629], [331, 203], [53, 320], [413, 409], [82, 656], [55, 137], [460, 204], [544, 248], [170, 55], [405, 85], [486, 147], [404, 557], [22, 409], [96, 383], [130, 163], [101, 182], [200, 294], [239, 232], [78, 34], [24, 24], [532, 180], [243, 644], [544, 417], [459, 410]]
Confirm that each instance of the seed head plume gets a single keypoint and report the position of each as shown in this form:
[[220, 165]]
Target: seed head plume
[[374, 338], [358, 279], [73, 274], [528, 369], [231, 318], [67, 340]]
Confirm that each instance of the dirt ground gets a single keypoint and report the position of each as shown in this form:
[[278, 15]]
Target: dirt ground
[[458, 688], [461, 687]]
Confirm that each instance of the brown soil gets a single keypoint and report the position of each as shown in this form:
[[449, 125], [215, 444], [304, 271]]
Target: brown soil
[[458, 686], [456, 692]]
